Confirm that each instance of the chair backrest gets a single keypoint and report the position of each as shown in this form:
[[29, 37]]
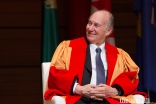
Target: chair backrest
[[45, 73]]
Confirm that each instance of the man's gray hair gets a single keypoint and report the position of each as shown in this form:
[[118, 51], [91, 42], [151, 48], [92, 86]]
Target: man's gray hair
[[111, 19]]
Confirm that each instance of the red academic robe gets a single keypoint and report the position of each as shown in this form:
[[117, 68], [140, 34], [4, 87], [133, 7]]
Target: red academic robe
[[68, 63]]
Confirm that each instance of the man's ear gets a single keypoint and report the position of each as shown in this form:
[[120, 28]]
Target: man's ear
[[109, 31]]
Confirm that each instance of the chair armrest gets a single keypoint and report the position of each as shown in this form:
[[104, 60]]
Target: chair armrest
[[139, 99]]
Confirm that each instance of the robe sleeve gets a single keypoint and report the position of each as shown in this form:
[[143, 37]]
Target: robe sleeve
[[127, 77], [61, 79]]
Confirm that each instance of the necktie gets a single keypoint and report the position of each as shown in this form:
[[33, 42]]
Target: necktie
[[100, 72]]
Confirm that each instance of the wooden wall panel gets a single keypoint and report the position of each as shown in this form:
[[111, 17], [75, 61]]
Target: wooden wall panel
[[20, 6], [20, 47], [20, 51], [62, 14], [20, 85], [125, 38], [122, 6], [125, 20], [125, 25], [26, 99], [16, 80], [17, 13], [20, 20]]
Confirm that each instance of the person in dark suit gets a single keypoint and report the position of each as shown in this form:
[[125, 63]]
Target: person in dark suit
[[88, 70]]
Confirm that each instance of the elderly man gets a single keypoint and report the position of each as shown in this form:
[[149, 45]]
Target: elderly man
[[89, 70]]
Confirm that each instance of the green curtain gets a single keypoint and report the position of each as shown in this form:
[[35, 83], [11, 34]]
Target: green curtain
[[50, 30]]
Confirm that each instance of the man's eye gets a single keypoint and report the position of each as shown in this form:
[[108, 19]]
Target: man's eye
[[89, 23], [96, 25]]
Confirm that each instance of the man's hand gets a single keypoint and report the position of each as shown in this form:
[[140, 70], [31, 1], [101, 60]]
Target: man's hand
[[84, 90], [103, 91]]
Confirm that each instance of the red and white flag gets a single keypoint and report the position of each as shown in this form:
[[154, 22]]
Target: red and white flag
[[99, 5]]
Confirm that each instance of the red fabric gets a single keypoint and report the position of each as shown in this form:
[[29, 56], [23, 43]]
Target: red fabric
[[111, 55], [78, 55], [55, 79], [124, 80], [61, 79], [52, 92]]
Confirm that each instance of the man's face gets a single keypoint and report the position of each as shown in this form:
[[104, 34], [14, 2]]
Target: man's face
[[96, 29]]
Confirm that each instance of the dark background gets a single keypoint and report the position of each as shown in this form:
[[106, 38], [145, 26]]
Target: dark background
[[21, 41]]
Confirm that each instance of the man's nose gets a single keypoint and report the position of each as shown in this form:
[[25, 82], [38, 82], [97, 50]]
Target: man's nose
[[91, 28]]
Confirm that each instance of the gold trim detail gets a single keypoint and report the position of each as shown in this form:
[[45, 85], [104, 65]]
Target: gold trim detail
[[52, 3]]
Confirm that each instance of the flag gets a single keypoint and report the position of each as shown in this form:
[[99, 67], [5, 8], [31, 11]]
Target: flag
[[153, 17], [146, 44], [99, 5], [50, 30]]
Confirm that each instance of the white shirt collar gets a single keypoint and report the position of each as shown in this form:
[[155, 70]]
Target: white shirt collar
[[93, 47]]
